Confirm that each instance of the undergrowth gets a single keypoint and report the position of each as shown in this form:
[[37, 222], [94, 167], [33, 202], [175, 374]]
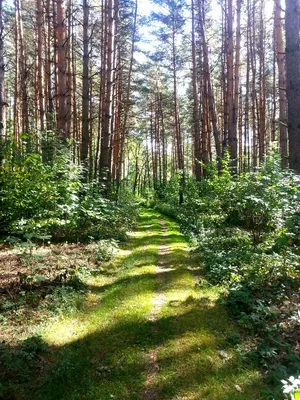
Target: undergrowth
[[49, 201]]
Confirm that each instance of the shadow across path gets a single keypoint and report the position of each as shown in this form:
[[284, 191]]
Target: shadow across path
[[106, 357]]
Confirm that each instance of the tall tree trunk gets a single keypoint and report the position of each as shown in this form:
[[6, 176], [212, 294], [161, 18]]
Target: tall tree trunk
[[152, 138], [177, 130], [2, 102], [17, 108], [292, 24], [262, 88], [104, 166], [280, 56], [225, 119], [73, 95], [103, 49], [232, 138], [235, 107], [196, 116], [85, 89], [164, 141], [40, 77], [23, 70], [69, 67], [60, 34], [253, 88], [210, 93], [247, 149], [127, 101]]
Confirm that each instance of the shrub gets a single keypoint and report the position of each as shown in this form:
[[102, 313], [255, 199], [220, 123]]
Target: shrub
[[106, 250], [41, 200]]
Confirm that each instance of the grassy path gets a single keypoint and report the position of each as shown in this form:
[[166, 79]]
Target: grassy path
[[147, 331]]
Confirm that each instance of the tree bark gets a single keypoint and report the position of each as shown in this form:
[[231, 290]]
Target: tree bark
[[104, 166], [196, 116], [292, 23], [280, 56], [2, 102], [62, 116], [85, 130]]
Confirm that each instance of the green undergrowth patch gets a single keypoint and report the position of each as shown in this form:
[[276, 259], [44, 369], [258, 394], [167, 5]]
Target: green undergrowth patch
[[42, 200]]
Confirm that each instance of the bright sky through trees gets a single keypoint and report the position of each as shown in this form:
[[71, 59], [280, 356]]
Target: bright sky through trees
[[145, 7]]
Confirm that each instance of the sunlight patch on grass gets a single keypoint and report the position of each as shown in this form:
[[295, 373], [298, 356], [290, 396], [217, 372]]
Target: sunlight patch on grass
[[101, 351], [149, 269], [137, 302], [124, 253], [66, 331], [195, 361]]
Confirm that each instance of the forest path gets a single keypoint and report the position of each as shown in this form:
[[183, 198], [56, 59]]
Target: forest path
[[148, 331]]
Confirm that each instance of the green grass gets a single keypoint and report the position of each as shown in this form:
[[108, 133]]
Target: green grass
[[102, 352]]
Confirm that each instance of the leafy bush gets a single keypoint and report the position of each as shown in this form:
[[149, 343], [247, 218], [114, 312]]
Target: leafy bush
[[106, 250], [39, 200], [19, 363], [65, 299]]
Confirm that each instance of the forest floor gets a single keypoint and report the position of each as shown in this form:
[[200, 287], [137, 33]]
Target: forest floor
[[147, 330]]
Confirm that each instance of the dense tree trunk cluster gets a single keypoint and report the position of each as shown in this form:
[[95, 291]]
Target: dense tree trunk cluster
[[71, 64], [247, 111], [217, 81]]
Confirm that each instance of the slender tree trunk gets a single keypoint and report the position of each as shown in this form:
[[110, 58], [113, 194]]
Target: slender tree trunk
[[69, 68], [91, 118], [253, 89], [262, 89], [292, 24], [164, 142], [75, 113], [280, 56], [210, 93], [128, 92], [224, 100], [85, 88], [49, 73], [232, 139], [196, 116], [178, 136], [103, 49], [40, 77], [247, 100], [17, 108], [2, 102], [153, 147], [23, 69], [60, 34], [104, 166], [235, 107]]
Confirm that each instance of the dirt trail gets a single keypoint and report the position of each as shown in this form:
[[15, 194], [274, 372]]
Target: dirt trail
[[158, 302]]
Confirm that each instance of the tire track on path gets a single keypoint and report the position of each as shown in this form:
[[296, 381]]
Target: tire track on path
[[158, 302]]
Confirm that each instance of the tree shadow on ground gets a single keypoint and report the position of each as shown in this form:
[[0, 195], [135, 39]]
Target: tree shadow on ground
[[112, 361], [108, 363]]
